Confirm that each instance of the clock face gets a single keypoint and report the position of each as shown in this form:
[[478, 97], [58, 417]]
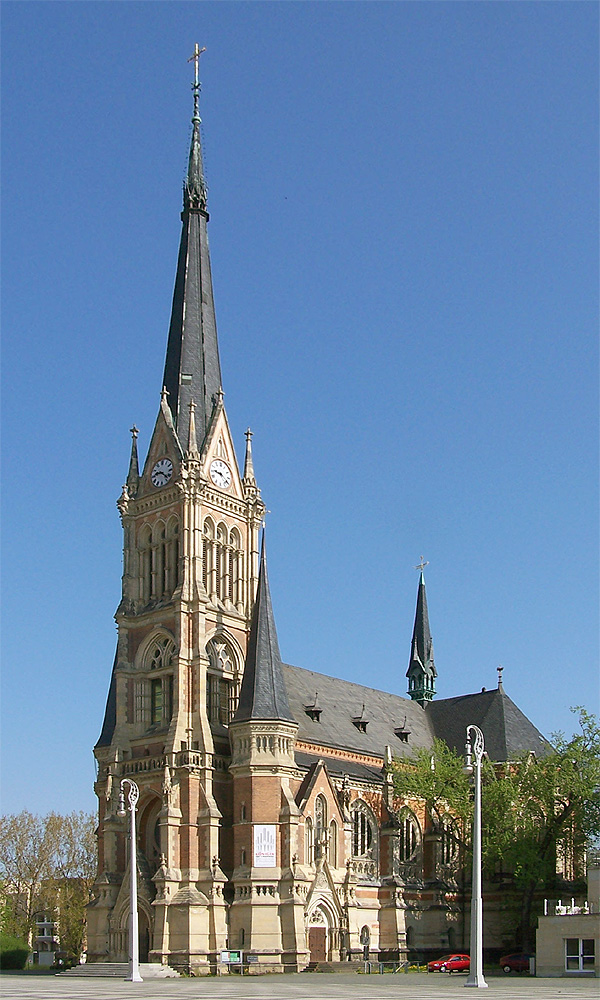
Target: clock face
[[162, 472], [220, 473]]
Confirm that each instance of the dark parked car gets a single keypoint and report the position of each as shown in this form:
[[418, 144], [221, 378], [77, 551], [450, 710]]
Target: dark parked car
[[450, 963], [519, 962]]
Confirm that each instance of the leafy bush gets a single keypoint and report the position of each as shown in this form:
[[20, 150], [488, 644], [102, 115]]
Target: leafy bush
[[13, 952]]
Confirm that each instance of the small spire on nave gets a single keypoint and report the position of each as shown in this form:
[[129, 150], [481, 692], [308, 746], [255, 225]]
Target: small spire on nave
[[249, 478], [133, 476]]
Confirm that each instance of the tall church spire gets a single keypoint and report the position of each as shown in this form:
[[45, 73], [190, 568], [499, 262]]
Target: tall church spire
[[192, 367], [263, 694], [421, 671]]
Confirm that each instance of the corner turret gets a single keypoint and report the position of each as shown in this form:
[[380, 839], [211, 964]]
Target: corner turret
[[421, 671]]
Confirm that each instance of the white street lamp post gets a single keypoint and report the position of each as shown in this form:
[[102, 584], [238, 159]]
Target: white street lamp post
[[132, 797], [475, 977]]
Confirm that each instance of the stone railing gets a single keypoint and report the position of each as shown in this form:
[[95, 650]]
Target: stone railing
[[364, 868], [142, 764]]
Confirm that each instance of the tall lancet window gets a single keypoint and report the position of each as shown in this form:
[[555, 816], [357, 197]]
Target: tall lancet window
[[408, 839], [208, 546], [320, 826], [332, 847], [308, 841], [145, 563], [235, 557], [171, 575], [221, 562]]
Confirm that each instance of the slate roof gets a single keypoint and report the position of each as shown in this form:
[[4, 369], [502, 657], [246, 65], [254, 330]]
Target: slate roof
[[263, 693], [192, 367], [341, 701], [507, 731], [110, 713]]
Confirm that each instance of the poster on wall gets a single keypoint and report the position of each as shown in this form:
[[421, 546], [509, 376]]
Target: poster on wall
[[265, 854]]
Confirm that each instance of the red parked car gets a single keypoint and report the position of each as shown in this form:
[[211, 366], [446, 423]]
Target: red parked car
[[450, 963], [518, 962]]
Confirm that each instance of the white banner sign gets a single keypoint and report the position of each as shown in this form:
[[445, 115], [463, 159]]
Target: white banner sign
[[265, 852]]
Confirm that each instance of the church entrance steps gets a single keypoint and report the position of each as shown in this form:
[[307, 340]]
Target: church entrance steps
[[120, 970], [334, 967]]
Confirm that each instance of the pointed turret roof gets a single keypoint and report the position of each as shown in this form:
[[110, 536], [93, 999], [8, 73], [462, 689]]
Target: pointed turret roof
[[422, 643], [192, 367], [421, 671], [263, 694], [133, 476]]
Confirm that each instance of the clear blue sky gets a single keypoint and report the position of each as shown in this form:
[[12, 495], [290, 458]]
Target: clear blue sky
[[404, 232]]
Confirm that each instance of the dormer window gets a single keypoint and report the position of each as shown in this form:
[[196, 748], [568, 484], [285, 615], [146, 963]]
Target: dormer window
[[402, 732], [360, 721], [314, 711]]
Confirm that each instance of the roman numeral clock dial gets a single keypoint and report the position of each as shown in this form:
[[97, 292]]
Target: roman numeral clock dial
[[162, 472], [220, 473]]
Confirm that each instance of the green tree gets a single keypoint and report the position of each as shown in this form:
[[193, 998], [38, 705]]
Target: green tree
[[436, 776], [536, 810]]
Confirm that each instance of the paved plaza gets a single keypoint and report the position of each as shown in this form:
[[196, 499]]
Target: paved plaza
[[305, 986]]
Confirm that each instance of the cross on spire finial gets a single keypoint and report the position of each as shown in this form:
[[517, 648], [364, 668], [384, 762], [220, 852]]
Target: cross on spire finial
[[196, 86], [422, 564]]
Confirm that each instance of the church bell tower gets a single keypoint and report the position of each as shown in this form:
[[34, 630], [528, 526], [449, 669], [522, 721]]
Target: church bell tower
[[191, 524]]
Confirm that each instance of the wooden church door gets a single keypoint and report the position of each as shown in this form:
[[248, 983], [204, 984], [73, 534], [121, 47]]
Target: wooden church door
[[317, 943]]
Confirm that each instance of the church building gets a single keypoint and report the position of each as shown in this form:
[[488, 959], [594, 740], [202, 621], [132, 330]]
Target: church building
[[267, 820]]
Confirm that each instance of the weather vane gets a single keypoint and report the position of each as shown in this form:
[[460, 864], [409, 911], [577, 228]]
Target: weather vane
[[422, 564]]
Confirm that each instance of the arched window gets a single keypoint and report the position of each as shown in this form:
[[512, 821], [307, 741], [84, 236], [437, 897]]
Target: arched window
[[333, 844], [145, 563], [208, 535], [320, 825], [223, 682], [159, 553], [221, 562], [364, 837], [235, 567], [171, 576], [308, 840], [448, 842], [408, 837], [154, 694]]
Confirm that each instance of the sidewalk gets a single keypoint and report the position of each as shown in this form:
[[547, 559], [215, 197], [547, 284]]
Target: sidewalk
[[303, 986]]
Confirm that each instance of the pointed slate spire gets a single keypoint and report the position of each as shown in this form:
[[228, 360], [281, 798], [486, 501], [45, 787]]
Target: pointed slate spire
[[421, 671], [133, 476], [192, 366], [263, 694]]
